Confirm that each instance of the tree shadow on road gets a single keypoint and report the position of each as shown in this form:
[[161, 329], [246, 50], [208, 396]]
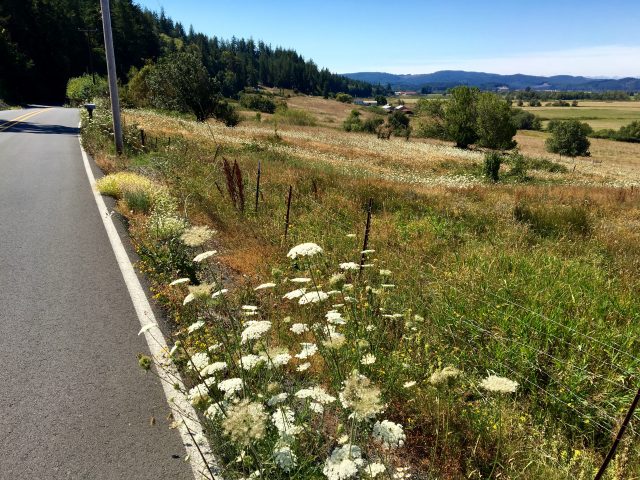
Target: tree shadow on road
[[28, 127]]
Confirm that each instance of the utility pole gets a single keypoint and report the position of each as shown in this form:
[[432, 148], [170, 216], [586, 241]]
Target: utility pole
[[86, 34], [111, 72]]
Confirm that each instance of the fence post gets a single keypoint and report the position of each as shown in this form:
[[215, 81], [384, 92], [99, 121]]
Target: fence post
[[367, 229], [623, 427], [142, 136], [258, 186], [286, 220]]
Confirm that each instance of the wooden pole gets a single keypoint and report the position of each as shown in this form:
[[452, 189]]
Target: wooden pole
[[111, 73], [623, 427], [286, 221], [367, 229], [258, 186], [142, 136]]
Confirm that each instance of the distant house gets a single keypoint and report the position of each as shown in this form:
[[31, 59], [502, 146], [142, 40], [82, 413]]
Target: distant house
[[359, 101], [405, 93], [387, 108], [370, 103], [502, 89]]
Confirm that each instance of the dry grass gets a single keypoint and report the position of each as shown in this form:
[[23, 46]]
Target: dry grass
[[330, 113]]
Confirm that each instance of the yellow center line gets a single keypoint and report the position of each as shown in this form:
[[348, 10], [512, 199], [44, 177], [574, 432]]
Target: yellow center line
[[21, 118]]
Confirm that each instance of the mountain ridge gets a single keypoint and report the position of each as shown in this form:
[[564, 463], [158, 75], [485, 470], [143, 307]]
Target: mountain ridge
[[443, 79]]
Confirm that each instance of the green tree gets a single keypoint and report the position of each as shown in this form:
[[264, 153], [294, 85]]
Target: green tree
[[461, 115], [495, 128], [344, 97], [381, 100], [569, 138], [353, 123], [82, 89], [400, 124]]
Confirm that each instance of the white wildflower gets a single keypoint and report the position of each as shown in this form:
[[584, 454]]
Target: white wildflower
[[409, 384], [249, 308], [361, 397], [197, 236], [300, 280], [351, 235], [245, 422], [313, 297], [304, 250], [374, 469], [308, 350], [230, 386], [250, 361], [349, 266], [295, 294], [284, 457], [198, 361], [254, 330], [334, 339], [337, 280], [214, 411], [303, 367], [368, 359], [195, 326], [265, 286], [198, 394], [494, 383], [334, 317], [390, 434], [279, 359], [283, 419], [299, 328], [188, 299], [219, 292], [370, 328], [385, 273], [212, 369], [276, 399], [203, 256], [388, 285], [444, 375], [317, 394], [344, 463], [392, 315], [180, 281], [367, 252]]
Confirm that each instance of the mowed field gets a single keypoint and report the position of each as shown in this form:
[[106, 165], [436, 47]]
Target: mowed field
[[598, 114]]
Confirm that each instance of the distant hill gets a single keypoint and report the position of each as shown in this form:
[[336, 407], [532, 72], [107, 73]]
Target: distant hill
[[490, 81]]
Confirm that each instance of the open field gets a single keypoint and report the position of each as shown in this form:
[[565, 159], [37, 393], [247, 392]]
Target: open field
[[533, 281], [598, 114]]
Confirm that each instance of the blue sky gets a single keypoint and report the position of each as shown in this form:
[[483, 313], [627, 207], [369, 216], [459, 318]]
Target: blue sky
[[544, 37]]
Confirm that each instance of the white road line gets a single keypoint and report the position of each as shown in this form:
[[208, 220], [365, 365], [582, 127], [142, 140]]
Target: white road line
[[169, 376]]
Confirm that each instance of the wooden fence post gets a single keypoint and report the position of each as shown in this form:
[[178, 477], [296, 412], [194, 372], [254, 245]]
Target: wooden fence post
[[258, 186], [367, 229], [286, 220]]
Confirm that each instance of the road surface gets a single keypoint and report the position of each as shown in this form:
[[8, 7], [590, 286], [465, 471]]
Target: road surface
[[74, 402]]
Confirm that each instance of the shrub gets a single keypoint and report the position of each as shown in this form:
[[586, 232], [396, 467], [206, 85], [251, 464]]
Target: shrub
[[344, 98], [259, 103], [137, 200], [519, 166], [293, 116], [628, 133], [569, 138], [524, 120], [82, 89], [371, 125], [353, 123], [492, 162]]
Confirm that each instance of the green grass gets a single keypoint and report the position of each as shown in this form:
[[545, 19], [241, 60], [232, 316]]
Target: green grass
[[597, 114], [533, 282]]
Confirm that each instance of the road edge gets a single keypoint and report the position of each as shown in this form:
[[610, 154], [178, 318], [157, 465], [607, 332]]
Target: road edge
[[200, 457]]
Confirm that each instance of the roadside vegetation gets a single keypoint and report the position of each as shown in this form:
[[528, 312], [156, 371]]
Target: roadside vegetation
[[491, 332]]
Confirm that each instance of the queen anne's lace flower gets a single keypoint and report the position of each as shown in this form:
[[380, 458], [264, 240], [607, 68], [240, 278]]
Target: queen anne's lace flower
[[265, 286], [304, 250], [250, 361], [313, 297], [197, 236], [195, 326], [368, 359], [203, 256], [180, 281], [361, 397], [494, 383], [295, 294], [254, 330], [230, 386], [198, 361], [198, 394], [344, 463], [390, 434], [444, 375], [212, 369], [284, 457], [334, 317], [308, 350], [349, 266], [374, 469], [245, 422], [300, 280], [284, 421], [299, 328], [276, 399], [317, 394]]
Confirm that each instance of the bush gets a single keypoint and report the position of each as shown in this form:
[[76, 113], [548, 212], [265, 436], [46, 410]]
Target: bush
[[628, 133], [524, 120], [82, 89], [353, 122], [492, 162], [399, 123], [259, 103], [344, 98], [569, 138], [371, 125], [519, 166]]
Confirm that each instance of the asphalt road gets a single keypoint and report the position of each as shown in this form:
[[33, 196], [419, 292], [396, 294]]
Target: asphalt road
[[73, 402]]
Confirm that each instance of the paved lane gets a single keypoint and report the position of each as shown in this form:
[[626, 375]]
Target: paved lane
[[74, 403]]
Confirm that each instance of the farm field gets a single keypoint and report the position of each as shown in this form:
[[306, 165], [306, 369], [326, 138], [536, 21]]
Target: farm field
[[533, 279], [598, 114]]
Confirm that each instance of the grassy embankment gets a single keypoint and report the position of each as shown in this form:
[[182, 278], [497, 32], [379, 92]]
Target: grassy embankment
[[534, 280]]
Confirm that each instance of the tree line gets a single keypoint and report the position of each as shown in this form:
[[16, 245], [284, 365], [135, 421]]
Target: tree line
[[43, 44]]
